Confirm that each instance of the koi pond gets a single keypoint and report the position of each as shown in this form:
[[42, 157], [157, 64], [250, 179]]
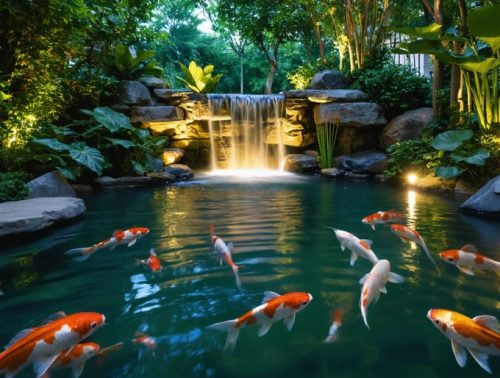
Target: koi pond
[[279, 230]]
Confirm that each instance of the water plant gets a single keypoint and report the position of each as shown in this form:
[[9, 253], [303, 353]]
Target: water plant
[[199, 79], [327, 136]]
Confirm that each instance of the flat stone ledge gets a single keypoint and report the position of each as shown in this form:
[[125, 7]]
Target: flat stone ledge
[[35, 214], [322, 96]]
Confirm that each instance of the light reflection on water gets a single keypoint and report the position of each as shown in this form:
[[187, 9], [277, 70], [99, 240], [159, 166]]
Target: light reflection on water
[[278, 230]]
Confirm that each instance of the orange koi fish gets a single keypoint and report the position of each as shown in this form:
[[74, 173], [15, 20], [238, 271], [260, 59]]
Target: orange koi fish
[[146, 340], [406, 234], [334, 328], [374, 284], [119, 237], [467, 260], [153, 262], [42, 345], [75, 359], [358, 247], [223, 251], [274, 307], [383, 217], [478, 335]]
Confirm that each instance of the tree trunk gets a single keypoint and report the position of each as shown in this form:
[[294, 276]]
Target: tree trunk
[[241, 74], [273, 67], [321, 43], [438, 70], [456, 82]]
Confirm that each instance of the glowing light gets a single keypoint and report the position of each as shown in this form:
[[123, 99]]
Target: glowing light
[[249, 172], [412, 178], [412, 201]]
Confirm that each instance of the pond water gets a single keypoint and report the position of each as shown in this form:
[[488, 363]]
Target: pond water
[[278, 230]]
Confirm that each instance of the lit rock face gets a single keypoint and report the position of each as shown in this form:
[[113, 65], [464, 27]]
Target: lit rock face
[[172, 155], [405, 126], [486, 201], [356, 114]]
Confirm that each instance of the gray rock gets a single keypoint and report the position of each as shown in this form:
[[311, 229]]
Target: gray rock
[[363, 161], [172, 155], [405, 126], [52, 184], [351, 139], [332, 173], [31, 215], [133, 93], [153, 82], [161, 177], [357, 176], [321, 96], [133, 181], [299, 163], [105, 181], [180, 171], [329, 79], [486, 201], [156, 113], [169, 94], [356, 114]]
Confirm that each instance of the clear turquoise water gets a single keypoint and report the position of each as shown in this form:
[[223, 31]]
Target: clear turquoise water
[[278, 229]]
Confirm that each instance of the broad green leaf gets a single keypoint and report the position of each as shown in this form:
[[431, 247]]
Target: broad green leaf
[[87, 156], [112, 120], [138, 168], [484, 23], [478, 157], [52, 143], [153, 69], [431, 31], [451, 140], [142, 134], [448, 172], [4, 96], [121, 142], [482, 67], [123, 58], [69, 173]]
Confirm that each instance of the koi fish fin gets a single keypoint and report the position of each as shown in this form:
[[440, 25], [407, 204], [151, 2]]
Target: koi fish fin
[[459, 353], [264, 328], [377, 297], [212, 229], [469, 248], [481, 358], [353, 259], [1, 292], [77, 370], [152, 252], [220, 262], [237, 277], [130, 244], [383, 289], [230, 246], [466, 270], [487, 321], [373, 226], [268, 295], [403, 240], [41, 365], [18, 336], [81, 254], [289, 321], [367, 241], [55, 316], [364, 315], [233, 332], [363, 279], [396, 278], [428, 253]]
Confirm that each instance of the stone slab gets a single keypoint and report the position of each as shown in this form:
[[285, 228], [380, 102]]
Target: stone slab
[[321, 96], [355, 114]]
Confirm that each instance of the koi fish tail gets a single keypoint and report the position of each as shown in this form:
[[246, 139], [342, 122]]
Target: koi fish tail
[[364, 315], [429, 256], [337, 316], [80, 254], [237, 275], [232, 330]]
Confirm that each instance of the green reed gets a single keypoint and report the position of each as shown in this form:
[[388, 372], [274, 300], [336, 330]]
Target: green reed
[[327, 136]]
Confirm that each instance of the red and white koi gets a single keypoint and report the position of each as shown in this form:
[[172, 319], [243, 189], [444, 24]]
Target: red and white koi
[[374, 284], [42, 345], [119, 237], [406, 234], [358, 247], [75, 359], [478, 335], [274, 307], [334, 327], [383, 217], [223, 251], [467, 259], [153, 262], [146, 340]]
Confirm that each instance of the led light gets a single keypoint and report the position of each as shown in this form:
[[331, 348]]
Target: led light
[[412, 178]]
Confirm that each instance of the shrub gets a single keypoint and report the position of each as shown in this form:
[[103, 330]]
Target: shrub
[[395, 88], [12, 186]]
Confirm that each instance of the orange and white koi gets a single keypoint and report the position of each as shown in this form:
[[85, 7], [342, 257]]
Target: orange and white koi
[[478, 335], [274, 307], [119, 237], [146, 340], [467, 259], [374, 284], [153, 262], [383, 217], [406, 234], [223, 251], [334, 328], [358, 247], [42, 345], [75, 359]]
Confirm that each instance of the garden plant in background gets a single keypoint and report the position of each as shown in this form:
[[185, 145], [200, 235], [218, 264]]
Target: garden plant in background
[[199, 80]]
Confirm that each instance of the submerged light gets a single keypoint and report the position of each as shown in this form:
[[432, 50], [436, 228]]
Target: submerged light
[[412, 178]]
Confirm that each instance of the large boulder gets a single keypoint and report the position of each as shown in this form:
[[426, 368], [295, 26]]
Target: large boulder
[[486, 201], [153, 82], [299, 163], [180, 171], [133, 93], [329, 79], [35, 214], [355, 114], [52, 184], [363, 161], [156, 114], [405, 126]]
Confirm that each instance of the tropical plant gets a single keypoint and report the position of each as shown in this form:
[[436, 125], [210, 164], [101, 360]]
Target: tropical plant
[[199, 79], [132, 65], [12, 186], [327, 136]]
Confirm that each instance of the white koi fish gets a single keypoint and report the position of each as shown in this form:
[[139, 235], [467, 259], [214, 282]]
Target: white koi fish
[[223, 251], [358, 247], [406, 234], [467, 260], [478, 335], [274, 308], [374, 284]]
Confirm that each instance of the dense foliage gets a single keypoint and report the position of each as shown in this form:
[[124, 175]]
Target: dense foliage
[[12, 186]]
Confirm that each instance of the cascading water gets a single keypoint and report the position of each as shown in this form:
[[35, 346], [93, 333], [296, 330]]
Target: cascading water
[[253, 140]]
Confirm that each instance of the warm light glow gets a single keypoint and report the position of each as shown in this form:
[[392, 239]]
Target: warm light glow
[[412, 201], [412, 178], [248, 172]]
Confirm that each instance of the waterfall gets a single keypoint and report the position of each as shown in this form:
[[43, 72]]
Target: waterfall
[[253, 140]]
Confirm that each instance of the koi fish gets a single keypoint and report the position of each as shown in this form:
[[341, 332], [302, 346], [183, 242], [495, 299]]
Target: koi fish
[[358, 247], [146, 340], [383, 217], [478, 335], [119, 237], [466, 259], [223, 251], [274, 307], [42, 345], [334, 328], [374, 284], [153, 262], [75, 359], [406, 234]]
